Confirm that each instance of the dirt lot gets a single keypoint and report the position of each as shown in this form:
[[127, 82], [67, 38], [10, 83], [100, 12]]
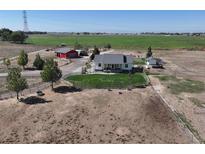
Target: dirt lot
[[185, 65], [90, 116], [10, 49]]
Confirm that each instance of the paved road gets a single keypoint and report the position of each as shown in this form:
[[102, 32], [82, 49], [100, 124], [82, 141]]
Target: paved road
[[74, 67]]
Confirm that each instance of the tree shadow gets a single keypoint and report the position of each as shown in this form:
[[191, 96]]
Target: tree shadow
[[66, 89], [32, 100], [30, 68]]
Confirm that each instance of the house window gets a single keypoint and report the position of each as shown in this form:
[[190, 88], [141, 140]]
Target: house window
[[126, 65], [99, 65]]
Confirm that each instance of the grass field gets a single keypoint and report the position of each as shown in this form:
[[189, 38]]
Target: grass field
[[178, 86], [101, 81], [122, 42]]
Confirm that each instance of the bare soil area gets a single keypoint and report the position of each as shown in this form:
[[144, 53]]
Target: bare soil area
[[10, 49], [90, 116], [185, 65]]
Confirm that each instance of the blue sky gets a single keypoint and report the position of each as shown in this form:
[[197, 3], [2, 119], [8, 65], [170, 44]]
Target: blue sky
[[106, 21]]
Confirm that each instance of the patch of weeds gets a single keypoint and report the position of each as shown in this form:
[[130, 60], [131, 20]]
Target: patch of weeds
[[178, 86], [197, 102], [167, 78], [180, 98], [189, 86], [188, 124], [152, 73], [140, 61]]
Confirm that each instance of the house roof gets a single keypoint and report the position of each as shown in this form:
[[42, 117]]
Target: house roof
[[113, 59], [152, 58], [62, 50]]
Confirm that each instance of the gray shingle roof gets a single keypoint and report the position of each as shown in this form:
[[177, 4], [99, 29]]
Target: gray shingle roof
[[113, 59], [62, 50]]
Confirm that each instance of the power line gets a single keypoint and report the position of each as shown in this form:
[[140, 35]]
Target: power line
[[25, 29]]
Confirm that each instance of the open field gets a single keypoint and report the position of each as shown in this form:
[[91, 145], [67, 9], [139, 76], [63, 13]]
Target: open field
[[122, 42], [108, 80], [182, 85], [10, 49], [90, 116]]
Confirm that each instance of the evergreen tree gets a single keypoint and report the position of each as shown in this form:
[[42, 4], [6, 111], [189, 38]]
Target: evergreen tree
[[149, 52], [51, 73], [15, 82], [38, 62], [23, 59]]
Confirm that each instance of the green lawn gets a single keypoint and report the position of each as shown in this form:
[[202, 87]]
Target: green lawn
[[102, 81], [122, 42]]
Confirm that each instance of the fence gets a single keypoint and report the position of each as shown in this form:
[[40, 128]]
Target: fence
[[180, 122], [31, 89]]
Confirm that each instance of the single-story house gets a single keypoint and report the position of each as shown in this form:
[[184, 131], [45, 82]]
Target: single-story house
[[66, 53], [154, 62], [113, 62]]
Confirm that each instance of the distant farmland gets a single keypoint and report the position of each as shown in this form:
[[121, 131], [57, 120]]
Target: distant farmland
[[122, 42]]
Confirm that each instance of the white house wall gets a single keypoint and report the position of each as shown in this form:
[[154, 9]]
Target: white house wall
[[128, 68], [97, 67]]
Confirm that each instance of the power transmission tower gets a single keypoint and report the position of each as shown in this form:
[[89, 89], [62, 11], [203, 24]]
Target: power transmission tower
[[25, 29]]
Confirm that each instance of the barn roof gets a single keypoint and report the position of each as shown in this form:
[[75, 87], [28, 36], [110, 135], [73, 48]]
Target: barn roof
[[63, 50]]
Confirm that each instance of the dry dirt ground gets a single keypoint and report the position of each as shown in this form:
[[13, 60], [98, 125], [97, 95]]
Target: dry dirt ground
[[185, 65], [10, 49], [90, 116]]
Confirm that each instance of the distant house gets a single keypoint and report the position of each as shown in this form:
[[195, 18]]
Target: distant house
[[82, 52], [154, 62], [66, 53], [113, 62]]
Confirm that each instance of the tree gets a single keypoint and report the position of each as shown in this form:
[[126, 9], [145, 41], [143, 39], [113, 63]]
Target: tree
[[5, 34], [15, 82], [108, 46], [7, 62], [92, 56], [51, 72], [18, 37], [96, 51], [23, 59], [77, 46], [149, 52], [38, 62]]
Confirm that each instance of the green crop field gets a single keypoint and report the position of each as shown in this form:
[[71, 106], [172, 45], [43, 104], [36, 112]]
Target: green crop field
[[101, 81], [122, 42]]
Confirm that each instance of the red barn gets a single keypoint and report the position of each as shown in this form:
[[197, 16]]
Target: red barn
[[66, 53]]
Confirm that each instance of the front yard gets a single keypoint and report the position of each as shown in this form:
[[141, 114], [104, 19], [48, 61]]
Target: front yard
[[101, 81]]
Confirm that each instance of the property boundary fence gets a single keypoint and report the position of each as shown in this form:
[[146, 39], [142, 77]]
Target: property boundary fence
[[31, 89], [173, 112]]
